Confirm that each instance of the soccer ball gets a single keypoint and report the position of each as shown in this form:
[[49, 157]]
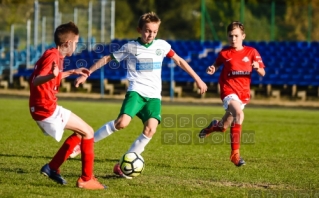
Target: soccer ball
[[132, 164]]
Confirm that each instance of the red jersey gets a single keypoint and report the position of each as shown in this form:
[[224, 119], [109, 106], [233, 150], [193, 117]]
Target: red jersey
[[43, 100], [235, 76]]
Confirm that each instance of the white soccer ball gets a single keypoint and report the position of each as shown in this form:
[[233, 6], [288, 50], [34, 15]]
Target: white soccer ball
[[132, 164]]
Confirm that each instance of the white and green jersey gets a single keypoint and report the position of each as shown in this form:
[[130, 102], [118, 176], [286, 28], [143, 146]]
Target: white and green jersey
[[144, 65]]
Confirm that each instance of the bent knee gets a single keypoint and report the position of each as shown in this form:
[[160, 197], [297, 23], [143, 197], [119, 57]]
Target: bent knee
[[149, 131], [239, 117], [88, 132], [121, 124]]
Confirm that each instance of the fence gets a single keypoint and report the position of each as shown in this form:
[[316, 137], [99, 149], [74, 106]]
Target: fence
[[23, 44], [272, 21]]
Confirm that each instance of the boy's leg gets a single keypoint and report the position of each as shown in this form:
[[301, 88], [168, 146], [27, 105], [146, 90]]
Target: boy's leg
[[132, 104], [142, 140], [54, 126], [217, 126], [64, 152], [151, 117], [235, 107], [105, 131], [87, 180], [139, 144]]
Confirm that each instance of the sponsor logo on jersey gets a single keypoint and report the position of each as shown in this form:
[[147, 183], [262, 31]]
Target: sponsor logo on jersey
[[239, 73], [245, 59], [148, 66]]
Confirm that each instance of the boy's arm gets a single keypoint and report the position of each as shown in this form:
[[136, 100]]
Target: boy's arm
[[100, 63], [80, 71], [261, 71], [186, 67], [38, 80], [212, 69]]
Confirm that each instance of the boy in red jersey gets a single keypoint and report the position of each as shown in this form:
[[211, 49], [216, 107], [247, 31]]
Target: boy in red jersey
[[53, 119], [239, 62]]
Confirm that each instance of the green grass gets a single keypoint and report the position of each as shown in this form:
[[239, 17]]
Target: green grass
[[283, 157]]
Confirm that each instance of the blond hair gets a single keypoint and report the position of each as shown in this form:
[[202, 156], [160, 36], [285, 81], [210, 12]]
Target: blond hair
[[150, 17]]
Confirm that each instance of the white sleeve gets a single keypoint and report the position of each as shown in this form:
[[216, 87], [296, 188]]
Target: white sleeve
[[167, 47], [122, 53]]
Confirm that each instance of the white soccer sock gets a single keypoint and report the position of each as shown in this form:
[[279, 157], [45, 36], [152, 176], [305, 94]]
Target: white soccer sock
[[104, 131], [139, 144]]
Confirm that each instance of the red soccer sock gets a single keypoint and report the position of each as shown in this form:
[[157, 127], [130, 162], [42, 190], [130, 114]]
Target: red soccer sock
[[235, 132], [87, 152], [64, 152]]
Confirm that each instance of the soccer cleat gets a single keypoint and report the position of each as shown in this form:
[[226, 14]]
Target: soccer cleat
[[208, 130], [236, 159], [76, 151], [117, 171], [92, 184], [54, 175]]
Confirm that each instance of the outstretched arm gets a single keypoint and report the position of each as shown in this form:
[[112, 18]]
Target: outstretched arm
[[186, 67], [100, 63], [80, 71]]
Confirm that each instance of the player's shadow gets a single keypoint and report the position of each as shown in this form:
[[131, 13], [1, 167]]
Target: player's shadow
[[78, 158], [25, 156], [111, 177]]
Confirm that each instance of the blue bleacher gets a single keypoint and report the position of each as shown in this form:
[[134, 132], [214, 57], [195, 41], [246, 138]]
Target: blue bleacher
[[288, 63]]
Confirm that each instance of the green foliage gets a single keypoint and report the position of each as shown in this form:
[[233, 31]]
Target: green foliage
[[283, 157], [183, 20]]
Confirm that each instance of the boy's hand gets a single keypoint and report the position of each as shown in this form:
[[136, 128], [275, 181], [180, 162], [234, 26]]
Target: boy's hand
[[201, 86], [55, 69], [79, 80], [255, 65], [211, 70], [82, 71]]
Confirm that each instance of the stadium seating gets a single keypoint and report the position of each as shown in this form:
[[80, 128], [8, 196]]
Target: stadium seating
[[294, 64]]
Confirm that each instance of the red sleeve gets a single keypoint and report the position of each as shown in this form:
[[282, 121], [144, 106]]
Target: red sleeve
[[45, 66], [257, 58], [170, 54], [219, 60]]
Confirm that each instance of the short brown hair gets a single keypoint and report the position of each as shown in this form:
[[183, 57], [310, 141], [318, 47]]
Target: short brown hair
[[148, 18], [64, 31], [236, 24]]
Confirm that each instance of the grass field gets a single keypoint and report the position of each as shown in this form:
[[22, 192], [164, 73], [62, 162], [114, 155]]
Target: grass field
[[281, 154]]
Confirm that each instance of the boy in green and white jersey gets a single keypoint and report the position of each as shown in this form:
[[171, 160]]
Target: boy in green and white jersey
[[144, 58]]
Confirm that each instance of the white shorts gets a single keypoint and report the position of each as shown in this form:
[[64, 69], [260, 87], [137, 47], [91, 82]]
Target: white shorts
[[55, 124], [230, 97]]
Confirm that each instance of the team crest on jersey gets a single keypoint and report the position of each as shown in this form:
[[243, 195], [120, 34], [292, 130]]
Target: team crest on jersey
[[158, 52], [245, 59]]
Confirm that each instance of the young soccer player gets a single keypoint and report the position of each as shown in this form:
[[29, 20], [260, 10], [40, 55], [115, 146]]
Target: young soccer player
[[239, 62], [144, 58], [53, 119]]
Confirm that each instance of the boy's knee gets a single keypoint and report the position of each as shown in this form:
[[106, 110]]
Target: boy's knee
[[239, 117], [121, 124], [149, 131], [89, 132]]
